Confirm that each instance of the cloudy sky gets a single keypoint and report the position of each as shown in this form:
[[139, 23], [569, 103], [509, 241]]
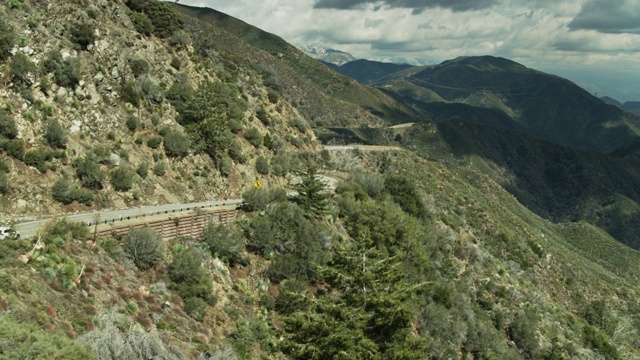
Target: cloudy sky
[[595, 43]]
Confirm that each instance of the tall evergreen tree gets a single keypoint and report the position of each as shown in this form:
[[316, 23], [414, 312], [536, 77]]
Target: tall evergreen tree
[[364, 314], [311, 192]]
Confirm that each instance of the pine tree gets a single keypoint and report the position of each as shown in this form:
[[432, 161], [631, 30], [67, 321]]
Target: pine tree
[[364, 315], [311, 192]]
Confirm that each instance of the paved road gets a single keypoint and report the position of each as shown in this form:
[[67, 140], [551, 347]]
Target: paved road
[[361, 147], [28, 229], [401, 126]]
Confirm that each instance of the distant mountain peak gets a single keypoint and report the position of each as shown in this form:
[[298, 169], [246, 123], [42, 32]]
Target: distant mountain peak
[[611, 101], [321, 52]]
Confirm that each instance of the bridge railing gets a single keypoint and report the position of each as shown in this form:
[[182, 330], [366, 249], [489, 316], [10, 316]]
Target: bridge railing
[[159, 212], [187, 225]]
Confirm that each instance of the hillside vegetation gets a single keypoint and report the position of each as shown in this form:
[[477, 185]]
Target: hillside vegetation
[[418, 253]]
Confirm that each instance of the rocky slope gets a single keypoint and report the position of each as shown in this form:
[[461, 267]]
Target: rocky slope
[[94, 112]]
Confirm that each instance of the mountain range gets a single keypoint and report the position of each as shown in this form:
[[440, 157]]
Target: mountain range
[[631, 106]]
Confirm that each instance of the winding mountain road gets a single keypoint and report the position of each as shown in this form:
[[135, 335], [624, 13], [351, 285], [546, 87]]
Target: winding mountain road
[[361, 147], [30, 228]]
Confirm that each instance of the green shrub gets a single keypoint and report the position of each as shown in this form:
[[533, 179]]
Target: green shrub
[[139, 67], [273, 96], [268, 142], [143, 170], [122, 178], [88, 171], [195, 307], [154, 142], [52, 61], [132, 123], [284, 163], [405, 193], [144, 247], [130, 94], [63, 191], [8, 127], [7, 40], [279, 145], [69, 74], [164, 19], [257, 199], [372, 183], [235, 126], [523, 332], [4, 167], [82, 195], [262, 165], [189, 278], [597, 340], [263, 116], [55, 135], [66, 73], [142, 23], [225, 166], [20, 68], [179, 93], [100, 154], [38, 158], [82, 34], [176, 144], [60, 154], [15, 148], [300, 243], [176, 63], [291, 297], [64, 229], [4, 182], [235, 152], [224, 242], [298, 123], [296, 141], [180, 39], [160, 168], [253, 136], [155, 119]]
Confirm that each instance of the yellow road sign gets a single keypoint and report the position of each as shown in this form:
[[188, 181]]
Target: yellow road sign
[[257, 184]]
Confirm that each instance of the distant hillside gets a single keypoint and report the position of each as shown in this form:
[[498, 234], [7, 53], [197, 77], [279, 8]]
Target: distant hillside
[[370, 72], [315, 88], [556, 182], [630, 106], [543, 105], [611, 101]]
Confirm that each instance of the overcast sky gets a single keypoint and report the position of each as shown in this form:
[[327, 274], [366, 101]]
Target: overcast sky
[[595, 43]]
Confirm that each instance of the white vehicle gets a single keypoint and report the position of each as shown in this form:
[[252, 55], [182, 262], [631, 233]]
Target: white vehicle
[[8, 233]]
